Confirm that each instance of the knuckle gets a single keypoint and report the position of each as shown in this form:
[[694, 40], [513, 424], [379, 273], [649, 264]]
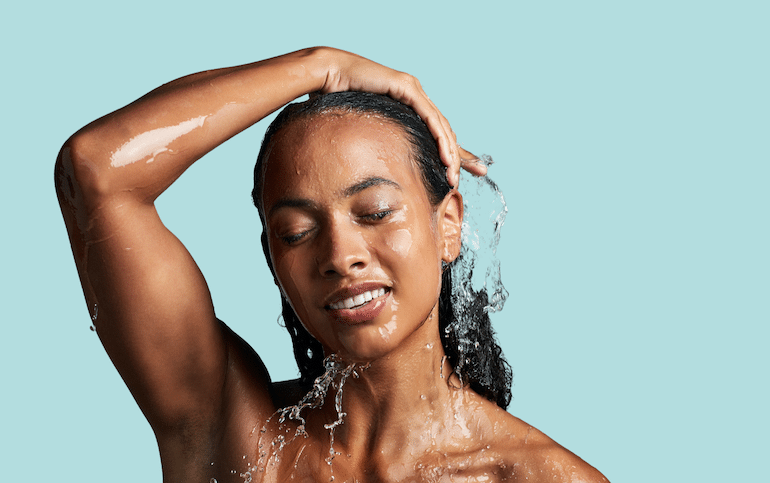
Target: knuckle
[[409, 80]]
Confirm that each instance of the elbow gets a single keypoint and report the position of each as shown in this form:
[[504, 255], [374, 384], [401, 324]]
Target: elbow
[[78, 176]]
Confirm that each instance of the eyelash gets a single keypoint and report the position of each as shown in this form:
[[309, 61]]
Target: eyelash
[[292, 239], [380, 215], [372, 217]]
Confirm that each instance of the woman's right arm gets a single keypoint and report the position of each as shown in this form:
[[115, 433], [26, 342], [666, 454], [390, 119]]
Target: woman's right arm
[[153, 311], [152, 308]]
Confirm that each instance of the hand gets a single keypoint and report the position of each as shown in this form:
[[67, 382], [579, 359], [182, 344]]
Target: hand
[[351, 72]]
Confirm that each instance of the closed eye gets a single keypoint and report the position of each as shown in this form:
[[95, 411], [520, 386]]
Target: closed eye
[[380, 215], [292, 239]]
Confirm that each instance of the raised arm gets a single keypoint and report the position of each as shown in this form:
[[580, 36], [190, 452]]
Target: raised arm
[[153, 309]]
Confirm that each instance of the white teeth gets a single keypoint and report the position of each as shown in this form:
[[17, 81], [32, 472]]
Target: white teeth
[[359, 299]]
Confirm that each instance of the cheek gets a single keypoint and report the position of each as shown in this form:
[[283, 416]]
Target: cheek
[[296, 287], [412, 254], [400, 242], [408, 239], [293, 281]]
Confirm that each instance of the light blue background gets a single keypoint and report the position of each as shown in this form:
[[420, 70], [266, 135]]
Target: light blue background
[[631, 140]]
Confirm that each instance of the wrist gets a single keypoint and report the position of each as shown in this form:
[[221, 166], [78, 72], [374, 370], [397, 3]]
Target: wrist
[[321, 65]]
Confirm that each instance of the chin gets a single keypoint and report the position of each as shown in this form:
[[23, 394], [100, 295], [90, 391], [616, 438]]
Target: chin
[[366, 344], [369, 342]]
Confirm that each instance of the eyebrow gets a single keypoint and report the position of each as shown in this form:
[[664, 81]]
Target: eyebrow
[[368, 183], [347, 193], [291, 203]]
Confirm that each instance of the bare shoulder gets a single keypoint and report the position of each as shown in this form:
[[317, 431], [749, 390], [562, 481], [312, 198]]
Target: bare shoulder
[[532, 456]]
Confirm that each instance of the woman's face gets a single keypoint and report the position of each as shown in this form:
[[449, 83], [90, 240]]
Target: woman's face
[[355, 243]]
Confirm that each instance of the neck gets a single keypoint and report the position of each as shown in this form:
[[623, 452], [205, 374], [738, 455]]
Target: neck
[[408, 392]]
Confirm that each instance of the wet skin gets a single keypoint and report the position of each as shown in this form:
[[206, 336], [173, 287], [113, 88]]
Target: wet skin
[[347, 211], [347, 214]]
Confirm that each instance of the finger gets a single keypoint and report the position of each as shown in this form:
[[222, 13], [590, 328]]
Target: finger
[[445, 138], [475, 167], [466, 155], [450, 154], [472, 163], [410, 92], [447, 143]]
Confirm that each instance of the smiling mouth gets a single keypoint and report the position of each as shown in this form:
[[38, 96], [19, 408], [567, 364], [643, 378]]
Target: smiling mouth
[[358, 300]]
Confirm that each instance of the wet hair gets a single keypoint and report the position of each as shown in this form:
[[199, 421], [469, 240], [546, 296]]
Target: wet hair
[[483, 366]]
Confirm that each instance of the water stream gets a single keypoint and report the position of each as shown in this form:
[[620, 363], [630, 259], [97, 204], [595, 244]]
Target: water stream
[[336, 372]]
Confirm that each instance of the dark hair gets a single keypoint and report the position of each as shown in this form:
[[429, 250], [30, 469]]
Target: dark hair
[[482, 366]]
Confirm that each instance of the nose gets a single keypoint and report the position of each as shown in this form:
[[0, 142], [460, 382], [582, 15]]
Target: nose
[[343, 249]]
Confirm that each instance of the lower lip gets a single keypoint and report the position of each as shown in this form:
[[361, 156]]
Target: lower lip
[[364, 313]]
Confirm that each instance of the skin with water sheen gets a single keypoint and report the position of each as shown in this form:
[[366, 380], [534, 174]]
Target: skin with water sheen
[[357, 249], [350, 193]]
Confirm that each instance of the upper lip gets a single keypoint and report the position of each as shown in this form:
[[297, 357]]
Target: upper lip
[[352, 290]]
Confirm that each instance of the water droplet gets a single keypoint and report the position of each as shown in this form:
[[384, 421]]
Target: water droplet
[[93, 329], [213, 480]]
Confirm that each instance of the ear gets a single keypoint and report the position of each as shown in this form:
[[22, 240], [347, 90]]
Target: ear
[[450, 222]]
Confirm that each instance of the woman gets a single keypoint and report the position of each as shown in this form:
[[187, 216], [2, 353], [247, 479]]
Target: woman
[[357, 242]]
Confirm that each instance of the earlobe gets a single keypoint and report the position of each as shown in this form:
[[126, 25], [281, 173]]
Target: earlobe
[[450, 225]]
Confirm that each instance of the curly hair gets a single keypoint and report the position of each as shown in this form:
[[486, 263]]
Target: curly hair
[[469, 341]]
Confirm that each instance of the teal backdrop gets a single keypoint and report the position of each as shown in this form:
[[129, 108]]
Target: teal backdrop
[[630, 139]]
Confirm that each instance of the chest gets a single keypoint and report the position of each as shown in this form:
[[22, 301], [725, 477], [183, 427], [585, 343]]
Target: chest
[[316, 461]]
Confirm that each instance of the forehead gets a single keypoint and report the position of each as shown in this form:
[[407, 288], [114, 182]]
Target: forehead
[[327, 153]]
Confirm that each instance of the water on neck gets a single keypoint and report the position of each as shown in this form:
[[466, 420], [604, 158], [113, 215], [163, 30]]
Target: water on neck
[[272, 443]]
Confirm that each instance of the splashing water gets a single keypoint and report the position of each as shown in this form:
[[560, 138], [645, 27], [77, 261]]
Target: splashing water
[[334, 368], [476, 271], [93, 318], [484, 215], [340, 415]]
